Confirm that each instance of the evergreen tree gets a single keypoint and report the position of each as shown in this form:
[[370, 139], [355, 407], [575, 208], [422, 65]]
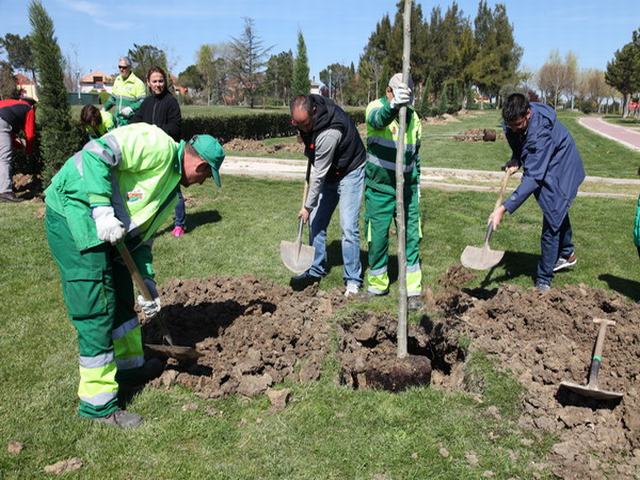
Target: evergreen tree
[[425, 101], [623, 72], [443, 101], [248, 60], [7, 81], [301, 83], [59, 139]]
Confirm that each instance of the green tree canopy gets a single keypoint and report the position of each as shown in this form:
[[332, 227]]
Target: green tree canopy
[[143, 57]]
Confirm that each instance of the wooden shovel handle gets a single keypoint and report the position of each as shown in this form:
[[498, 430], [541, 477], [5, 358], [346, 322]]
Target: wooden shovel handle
[[133, 271], [503, 185]]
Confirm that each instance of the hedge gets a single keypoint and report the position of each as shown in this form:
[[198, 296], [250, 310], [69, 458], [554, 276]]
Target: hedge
[[256, 126]]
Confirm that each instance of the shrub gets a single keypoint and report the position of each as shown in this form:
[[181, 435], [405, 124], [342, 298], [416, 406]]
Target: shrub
[[254, 126]]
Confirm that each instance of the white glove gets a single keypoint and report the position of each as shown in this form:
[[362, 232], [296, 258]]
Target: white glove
[[109, 228], [150, 307], [126, 111], [401, 96]]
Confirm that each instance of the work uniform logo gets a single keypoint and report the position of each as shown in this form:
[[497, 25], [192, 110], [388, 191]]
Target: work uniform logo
[[135, 195]]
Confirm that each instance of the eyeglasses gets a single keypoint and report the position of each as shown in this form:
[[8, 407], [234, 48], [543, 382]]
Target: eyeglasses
[[123, 67]]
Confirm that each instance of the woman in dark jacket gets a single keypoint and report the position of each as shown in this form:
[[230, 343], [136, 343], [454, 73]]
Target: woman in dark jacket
[[162, 109]]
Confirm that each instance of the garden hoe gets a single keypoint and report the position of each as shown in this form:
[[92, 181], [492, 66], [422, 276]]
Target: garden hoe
[[591, 389], [186, 354], [296, 256], [483, 258]]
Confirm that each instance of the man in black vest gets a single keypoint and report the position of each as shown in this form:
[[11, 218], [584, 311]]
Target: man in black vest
[[337, 155]]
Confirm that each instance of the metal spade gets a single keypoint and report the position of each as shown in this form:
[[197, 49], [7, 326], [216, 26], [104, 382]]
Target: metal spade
[[591, 389], [483, 258], [298, 257]]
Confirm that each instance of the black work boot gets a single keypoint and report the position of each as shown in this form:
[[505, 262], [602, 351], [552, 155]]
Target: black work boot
[[122, 419]]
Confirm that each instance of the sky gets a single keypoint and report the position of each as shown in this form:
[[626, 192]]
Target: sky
[[95, 34]]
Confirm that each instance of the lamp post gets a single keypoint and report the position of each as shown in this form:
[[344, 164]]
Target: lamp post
[[78, 83], [330, 82]]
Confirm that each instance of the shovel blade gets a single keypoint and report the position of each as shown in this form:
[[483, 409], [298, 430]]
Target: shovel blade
[[182, 354], [591, 391], [480, 258], [296, 257]]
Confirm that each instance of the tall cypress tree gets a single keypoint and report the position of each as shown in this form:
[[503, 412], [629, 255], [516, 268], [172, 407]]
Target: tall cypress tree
[[58, 141], [301, 83]]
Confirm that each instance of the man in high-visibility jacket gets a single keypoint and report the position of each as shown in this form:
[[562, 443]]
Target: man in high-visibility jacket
[[380, 188], [120, 187], [127, 94]]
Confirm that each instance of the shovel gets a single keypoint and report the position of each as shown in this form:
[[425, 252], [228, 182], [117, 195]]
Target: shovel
[[171, 350], [591, 389], [296, 256], [483, 258]]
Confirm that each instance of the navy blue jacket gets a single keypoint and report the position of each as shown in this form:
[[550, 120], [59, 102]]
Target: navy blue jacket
[[552, 166]]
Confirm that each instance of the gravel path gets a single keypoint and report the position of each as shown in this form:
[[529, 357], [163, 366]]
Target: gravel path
[[438, 178]]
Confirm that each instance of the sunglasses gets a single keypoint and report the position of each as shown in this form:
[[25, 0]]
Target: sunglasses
[[123, 67]]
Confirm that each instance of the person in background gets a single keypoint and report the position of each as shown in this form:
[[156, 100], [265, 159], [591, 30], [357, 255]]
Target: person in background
[[15, 116], [127, 93], [553, 172], [95, 122], [162, 109], [118, 188]]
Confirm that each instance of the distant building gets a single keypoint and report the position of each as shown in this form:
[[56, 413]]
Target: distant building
[[180, 90], [96, 80], [25, 86], [315, 87]]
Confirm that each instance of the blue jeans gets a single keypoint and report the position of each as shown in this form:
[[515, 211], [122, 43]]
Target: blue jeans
[[553, 245], [348, 193], [180, 210]]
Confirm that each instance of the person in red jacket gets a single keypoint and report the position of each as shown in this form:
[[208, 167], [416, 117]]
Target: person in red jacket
[[15, 116]]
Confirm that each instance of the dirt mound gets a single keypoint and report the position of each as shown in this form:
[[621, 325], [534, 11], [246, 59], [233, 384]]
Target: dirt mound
[[547, 338], [254, 333], [251, 333], [478, 135], [257, 146]]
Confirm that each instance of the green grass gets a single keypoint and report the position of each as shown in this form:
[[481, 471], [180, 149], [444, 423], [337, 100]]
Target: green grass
[[328, 431], [631, 121], [601, 156]]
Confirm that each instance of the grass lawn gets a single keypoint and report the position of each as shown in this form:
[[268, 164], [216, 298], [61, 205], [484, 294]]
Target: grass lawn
[[601, 156], [631, 121], [328, 431]]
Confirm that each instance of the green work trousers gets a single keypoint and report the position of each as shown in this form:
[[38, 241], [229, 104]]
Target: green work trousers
[[98, 294], [380, 209]]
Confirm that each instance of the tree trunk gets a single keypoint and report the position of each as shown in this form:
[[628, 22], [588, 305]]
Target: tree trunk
[[625, 105], [400, 213]]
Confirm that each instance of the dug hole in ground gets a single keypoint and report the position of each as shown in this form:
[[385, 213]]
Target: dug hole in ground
[[254, 334]]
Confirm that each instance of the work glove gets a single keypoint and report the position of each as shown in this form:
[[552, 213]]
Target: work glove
[[126, 111], [151, 308], [401, 96], [109, 228]]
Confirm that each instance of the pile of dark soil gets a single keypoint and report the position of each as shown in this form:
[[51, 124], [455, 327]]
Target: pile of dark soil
[[547, 338], [253, 334], [257, 146], [478, 135]]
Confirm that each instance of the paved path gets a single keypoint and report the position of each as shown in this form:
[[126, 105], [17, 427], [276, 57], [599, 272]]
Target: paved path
[[626, 136], [439, 178]]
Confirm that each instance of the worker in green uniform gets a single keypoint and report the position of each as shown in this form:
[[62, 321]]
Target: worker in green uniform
[[96, 122], [127, 93], [120, 187], [380, 188]]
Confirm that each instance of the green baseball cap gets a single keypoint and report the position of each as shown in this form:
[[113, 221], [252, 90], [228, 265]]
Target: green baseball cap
[[210, 150]]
